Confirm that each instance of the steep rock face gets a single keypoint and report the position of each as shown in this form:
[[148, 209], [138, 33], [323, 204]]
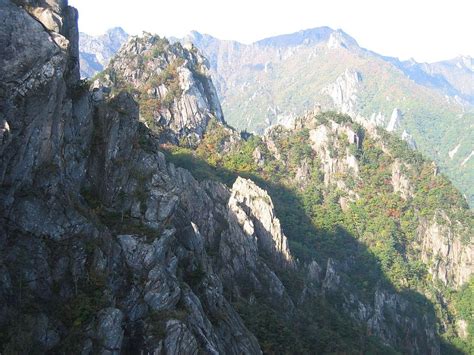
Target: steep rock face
[[407, 137], [467, 159], [95, 221], [395, 120], [453, 152], [326, 142], [400, 182], [37, 73], [450, 259], [333, 144], [254, 209], [344, 91], [170, 82], [386, 310], [232, 231], [61, 22], [340, 39]]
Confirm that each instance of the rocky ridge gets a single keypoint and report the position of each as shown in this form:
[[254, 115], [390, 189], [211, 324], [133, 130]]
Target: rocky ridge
[[337, 144], [65, 244], [280, 78], [336, 167], [441, 92], [140, 255], [171, 84]]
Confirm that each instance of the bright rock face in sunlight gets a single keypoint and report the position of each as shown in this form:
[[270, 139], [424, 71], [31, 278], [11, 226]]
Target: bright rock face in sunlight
[[134, 219], [430, 105], [277, 79]]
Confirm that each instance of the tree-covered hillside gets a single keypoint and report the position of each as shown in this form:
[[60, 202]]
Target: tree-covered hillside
[[278, 79], [134, 220], [354, 201], [372, 213]]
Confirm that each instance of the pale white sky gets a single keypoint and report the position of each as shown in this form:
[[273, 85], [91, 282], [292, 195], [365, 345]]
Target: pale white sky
[[427, 30]]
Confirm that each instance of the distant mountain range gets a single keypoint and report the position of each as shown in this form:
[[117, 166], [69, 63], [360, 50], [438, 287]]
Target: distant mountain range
[[96, 51], [274, 80], [454, 77], [134, 219]]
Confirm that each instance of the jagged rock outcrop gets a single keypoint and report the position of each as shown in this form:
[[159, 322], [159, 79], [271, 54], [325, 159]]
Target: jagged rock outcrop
[[395, 120], [344, 91], [382, 312], [400, 182], [171, 83], [453, 152], [106, 247], [376, 119], [407, 137], [340, 39], [254, 210], [466, 160], [61, 22], [324, 140], [447, 250]]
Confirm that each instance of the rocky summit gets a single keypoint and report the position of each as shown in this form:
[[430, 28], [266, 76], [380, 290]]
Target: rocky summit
[[275, 80], [135, 220], [170, 82]]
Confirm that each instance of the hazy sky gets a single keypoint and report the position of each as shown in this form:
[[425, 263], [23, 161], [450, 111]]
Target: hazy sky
[[427, 30]]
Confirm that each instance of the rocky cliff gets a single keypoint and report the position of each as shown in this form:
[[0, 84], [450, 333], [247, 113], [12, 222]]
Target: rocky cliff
[[274, 80], [107, 247], [379, 232], [171, 84], [449, 259], [248, 201], [279, 78], [103, 244]]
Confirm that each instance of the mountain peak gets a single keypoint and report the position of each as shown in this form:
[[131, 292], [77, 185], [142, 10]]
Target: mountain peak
[[96, 51], [465, 61], [314, 35], [198, 37], [340, 39], [171, 83], [117, 31], [310, 37]]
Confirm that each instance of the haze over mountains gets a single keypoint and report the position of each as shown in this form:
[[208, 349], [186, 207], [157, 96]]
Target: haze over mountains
[[276, 79], [135, 220]]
